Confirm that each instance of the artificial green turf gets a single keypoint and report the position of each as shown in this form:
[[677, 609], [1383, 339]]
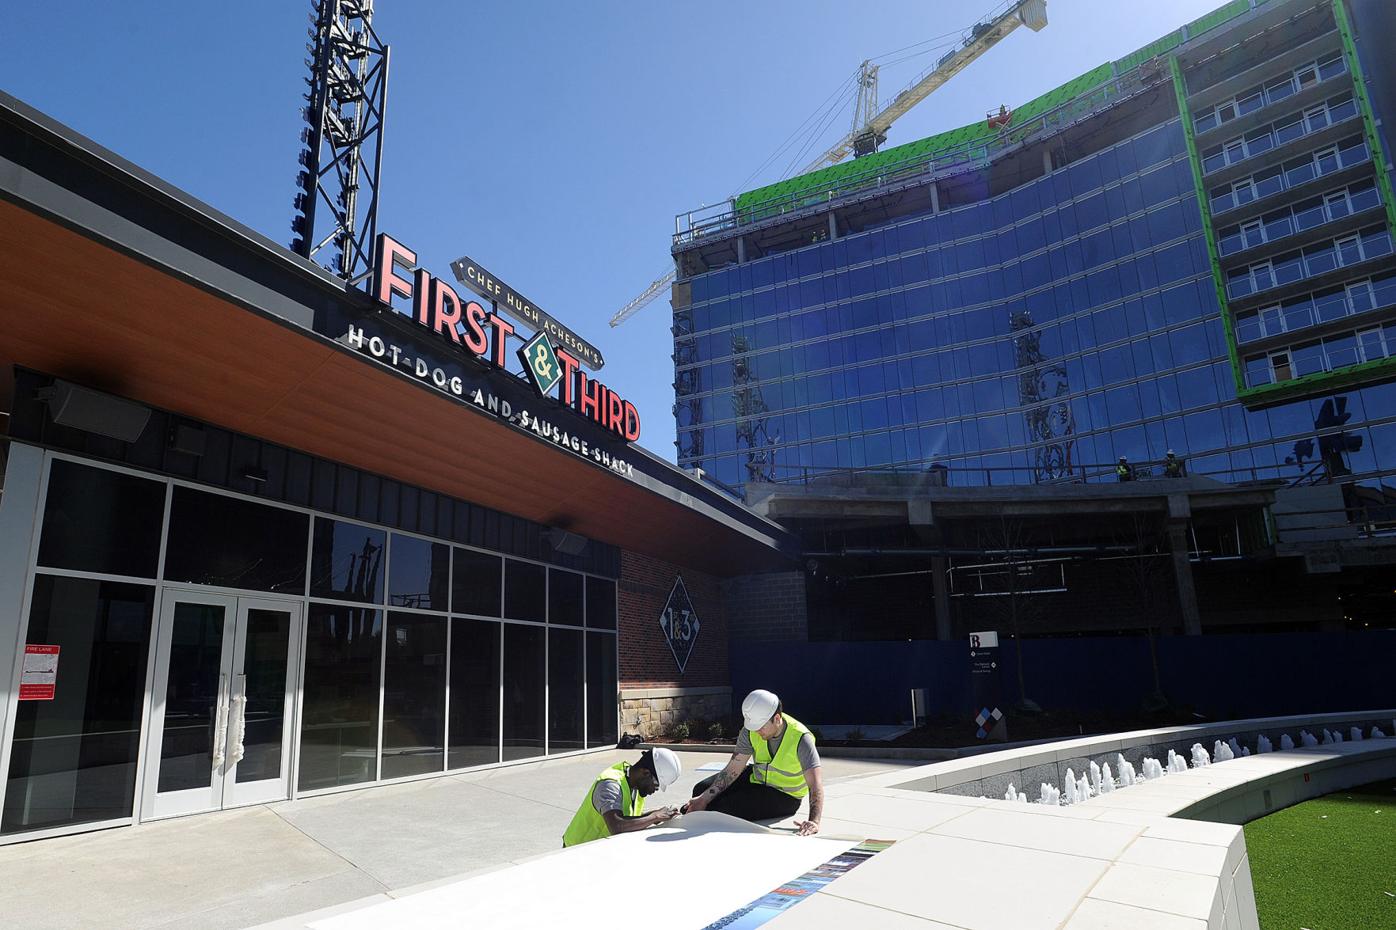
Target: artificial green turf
[[1329, 863]]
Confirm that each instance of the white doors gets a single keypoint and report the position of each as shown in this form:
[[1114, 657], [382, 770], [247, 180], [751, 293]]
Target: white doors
[[222, 703]]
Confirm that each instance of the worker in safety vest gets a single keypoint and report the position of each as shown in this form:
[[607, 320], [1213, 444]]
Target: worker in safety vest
[[1172, 466], [1124, 471], [615, 802], [785, 769]]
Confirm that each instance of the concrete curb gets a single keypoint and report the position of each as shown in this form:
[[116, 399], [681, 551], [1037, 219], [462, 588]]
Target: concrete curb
[[912, 753]]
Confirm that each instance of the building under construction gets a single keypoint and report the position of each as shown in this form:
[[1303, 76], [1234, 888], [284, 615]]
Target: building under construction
[[936, 361]]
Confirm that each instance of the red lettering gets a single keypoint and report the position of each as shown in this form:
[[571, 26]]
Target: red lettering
[[589, 401], [475, 317], [502, 330], [445, 308], [569, 369], [421, 295], [615, 413], [388, 255], [632, 422]]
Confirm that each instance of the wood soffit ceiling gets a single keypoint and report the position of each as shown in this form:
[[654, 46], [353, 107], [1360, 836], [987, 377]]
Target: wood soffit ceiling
[[78, 309]]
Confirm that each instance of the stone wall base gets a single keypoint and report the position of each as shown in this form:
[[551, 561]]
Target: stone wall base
[[653, 712]]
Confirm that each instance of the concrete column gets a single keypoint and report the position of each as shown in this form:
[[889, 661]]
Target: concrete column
[[940, 584], [1182, 575], [19, 519], [935, 198], [741, 250], [833, 226], [1046, 161]]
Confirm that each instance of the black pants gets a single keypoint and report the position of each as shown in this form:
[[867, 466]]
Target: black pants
[[749, 801]]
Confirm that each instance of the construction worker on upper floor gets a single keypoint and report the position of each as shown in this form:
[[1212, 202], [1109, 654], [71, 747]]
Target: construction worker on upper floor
[[615, 802], [784, 769], [1172, 466], [1123, 470]]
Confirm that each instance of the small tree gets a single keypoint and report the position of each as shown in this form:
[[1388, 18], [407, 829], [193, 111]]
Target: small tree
[[1147, 577], [1004, 542]]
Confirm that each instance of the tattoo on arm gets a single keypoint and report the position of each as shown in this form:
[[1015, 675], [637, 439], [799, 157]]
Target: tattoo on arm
[[723, 779], [816, 803]]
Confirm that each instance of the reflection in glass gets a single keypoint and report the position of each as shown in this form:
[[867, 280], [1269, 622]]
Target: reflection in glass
[[474, 693], [339, 719], [414, 695], [96, 520], [192, 695], [476, 583], [524, 679], [73, 758], [525, 591], [601, 603], [419, 574], [565, 707], [601, 689], [565, 597], [346, 562], [264, 667], [235, 543]]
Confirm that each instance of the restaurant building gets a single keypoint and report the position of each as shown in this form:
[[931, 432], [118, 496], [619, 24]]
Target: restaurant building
[[264, 534]]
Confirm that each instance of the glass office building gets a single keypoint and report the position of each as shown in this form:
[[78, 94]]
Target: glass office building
[[1189, 248]]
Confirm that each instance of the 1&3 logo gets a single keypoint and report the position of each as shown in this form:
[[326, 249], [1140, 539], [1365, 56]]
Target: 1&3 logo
[[541, 362]]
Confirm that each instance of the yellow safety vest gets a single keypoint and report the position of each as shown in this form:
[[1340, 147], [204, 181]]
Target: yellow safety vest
[[588, 824], [783, 770]]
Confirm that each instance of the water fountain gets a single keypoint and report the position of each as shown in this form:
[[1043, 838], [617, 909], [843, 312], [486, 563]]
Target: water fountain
[[1307, 739], [1083, 788], [1107, 781], [1011, 794], [1355, 734], [1070, 788], [1286, 742], [1049, 795], [1235, 747], [1200, 759], [1125, 769], [1221, 752], [1377, 733], [1095, 778], [1263, 744]]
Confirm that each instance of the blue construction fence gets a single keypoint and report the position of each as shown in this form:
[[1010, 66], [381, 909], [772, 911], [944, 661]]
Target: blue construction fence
[[1224, 676]]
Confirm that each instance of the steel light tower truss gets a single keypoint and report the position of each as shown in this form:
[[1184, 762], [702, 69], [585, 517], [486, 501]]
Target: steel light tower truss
[[336, 202]]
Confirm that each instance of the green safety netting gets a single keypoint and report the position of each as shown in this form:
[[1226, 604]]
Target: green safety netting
[[806, 189]]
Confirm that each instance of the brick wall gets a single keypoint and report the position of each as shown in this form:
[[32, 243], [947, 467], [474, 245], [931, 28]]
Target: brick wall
[[767, 607], [645, 659]]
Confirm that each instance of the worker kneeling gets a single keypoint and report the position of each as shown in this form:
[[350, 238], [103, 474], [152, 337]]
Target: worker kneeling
[[615, 803], [785, 769]]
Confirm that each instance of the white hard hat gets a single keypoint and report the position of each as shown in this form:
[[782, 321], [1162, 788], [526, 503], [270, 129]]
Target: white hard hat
[[667, 767], [758, 709]]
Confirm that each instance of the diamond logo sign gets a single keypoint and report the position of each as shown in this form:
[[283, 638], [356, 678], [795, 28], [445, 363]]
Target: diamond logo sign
[[679, 621], [540, 361]]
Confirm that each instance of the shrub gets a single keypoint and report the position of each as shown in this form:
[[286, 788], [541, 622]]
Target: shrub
[[680, 731], [715, 730], [856, 734]]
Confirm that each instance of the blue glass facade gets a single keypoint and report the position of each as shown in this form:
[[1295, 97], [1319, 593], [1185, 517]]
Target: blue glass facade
[[1049, 329]]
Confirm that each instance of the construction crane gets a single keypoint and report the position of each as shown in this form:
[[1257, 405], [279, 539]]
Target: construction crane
[[870, 124]]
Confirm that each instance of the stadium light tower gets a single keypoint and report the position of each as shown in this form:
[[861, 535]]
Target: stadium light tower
[[342, 155]]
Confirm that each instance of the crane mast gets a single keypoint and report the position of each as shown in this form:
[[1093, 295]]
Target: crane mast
[[870, 124]]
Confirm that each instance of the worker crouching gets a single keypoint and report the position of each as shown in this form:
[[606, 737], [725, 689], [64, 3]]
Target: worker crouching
[[615, 802], [784, 769]]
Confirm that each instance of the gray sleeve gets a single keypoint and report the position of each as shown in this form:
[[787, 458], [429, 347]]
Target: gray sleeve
[[744, 743], [606, 796], [809, 756]]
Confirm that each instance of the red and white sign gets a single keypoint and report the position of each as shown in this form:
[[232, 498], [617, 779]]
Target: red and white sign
[[39, 677]]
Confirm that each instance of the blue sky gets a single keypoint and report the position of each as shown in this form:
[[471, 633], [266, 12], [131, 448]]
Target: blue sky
[[552, 142]]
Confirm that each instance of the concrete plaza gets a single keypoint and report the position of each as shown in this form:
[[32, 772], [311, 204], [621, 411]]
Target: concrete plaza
[[243, 867]]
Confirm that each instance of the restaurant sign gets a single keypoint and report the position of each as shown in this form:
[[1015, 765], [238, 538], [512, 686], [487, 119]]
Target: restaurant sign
[[473, 331]]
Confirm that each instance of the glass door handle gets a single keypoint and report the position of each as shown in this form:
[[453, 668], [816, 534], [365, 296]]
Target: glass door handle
[[220, 722], [239, 728]]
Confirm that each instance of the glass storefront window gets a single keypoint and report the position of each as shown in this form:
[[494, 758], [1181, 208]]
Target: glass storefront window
[[346, 561], [235, 543], [98, 520], [339, 715], [566, 708], [601, 603], [474, 712], [419, 573], [73, 758], [525, 677], [601, 689], [414, 695], [477, 583], [566, 601], [525, 591]]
